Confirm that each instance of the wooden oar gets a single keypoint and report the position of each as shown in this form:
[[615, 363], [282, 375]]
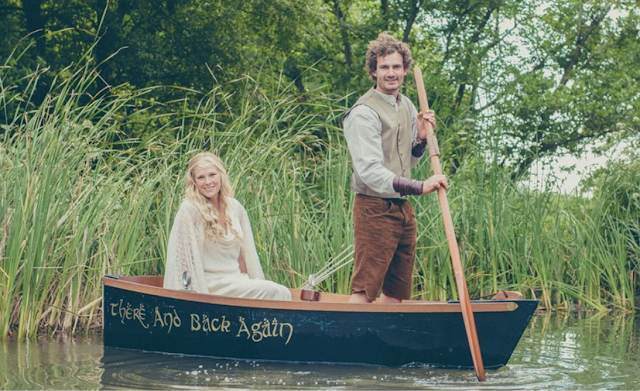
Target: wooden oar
[[467, 313]]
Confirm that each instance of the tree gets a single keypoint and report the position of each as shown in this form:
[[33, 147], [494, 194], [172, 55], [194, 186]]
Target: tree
[[575, 81], [535, 78]]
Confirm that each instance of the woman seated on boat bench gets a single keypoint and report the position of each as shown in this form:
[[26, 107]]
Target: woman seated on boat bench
[[211, 247]]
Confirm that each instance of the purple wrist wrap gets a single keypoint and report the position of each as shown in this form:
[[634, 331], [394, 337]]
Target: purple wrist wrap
[[406, 186]]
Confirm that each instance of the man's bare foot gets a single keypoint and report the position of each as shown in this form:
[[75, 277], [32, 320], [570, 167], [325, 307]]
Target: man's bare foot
[[387, 299], [359, 298]]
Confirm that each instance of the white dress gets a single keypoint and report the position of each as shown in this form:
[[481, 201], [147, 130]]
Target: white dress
[[212, 263]]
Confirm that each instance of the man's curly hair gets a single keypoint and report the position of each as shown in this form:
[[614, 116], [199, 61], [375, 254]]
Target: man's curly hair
[[383, 45]]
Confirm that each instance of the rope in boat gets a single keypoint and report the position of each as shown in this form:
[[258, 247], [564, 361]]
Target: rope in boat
[[338, 262]]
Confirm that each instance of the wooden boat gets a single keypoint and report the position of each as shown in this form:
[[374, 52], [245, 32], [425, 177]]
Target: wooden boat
[[140, 314]]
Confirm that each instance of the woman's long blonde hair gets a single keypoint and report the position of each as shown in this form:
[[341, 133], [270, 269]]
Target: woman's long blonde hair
[[208, 213]]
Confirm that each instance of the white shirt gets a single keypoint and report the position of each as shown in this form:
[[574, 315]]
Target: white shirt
[[363, 131]]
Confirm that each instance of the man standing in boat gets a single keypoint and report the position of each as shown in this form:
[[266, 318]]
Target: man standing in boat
[[386, 137]]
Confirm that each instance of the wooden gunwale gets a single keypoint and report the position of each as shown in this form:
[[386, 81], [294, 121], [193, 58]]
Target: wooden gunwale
[[152, 285]]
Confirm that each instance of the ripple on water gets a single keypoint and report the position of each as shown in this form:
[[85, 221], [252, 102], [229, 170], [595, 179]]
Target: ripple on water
[[557, 353], [538, 365]]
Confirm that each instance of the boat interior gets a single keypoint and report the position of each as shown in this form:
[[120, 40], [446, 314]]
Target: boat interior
[[502, 301]]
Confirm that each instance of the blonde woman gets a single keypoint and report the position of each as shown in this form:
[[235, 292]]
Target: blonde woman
[[211, 247]]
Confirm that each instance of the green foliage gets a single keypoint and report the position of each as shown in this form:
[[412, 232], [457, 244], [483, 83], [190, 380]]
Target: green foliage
[[92, 153], [550, 75], [78, 201], [575, 80], [616, 189]]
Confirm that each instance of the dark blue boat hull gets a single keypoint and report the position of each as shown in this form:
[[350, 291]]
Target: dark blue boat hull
[[134, 320]]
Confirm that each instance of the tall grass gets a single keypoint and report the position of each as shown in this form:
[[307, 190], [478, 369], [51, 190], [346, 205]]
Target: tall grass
[[77, 202]]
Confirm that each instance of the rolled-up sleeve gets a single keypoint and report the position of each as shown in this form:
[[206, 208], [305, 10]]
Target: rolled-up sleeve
[[363, 131]]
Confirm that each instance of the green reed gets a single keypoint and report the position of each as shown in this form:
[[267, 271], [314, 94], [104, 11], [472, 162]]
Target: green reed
[[80, 200]]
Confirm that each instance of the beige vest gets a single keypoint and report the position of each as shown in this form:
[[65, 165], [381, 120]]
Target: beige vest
[[396, 141]]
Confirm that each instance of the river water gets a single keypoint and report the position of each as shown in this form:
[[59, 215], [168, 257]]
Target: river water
[[556, 352]]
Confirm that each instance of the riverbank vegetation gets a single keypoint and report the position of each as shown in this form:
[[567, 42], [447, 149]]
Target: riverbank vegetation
[[91, 168]]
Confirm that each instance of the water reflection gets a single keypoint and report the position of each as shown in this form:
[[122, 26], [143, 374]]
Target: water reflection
[[556, 352], [56, 363], [584, 351]]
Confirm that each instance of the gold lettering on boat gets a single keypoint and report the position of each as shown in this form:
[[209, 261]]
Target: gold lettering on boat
[[266, 332], [289, 327], [225, 324], [243, 328], [127, 312], [140, 314], [256, 335], [167, 319], [158, 318], [195, 322], [260, 330], [207, 324]]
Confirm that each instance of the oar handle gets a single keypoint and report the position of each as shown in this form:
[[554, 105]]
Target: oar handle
[[422, 92], [432, 141], [461, 283]]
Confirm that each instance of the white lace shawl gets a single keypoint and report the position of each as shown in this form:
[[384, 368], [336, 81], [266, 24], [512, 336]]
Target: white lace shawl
[[186, 242]]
